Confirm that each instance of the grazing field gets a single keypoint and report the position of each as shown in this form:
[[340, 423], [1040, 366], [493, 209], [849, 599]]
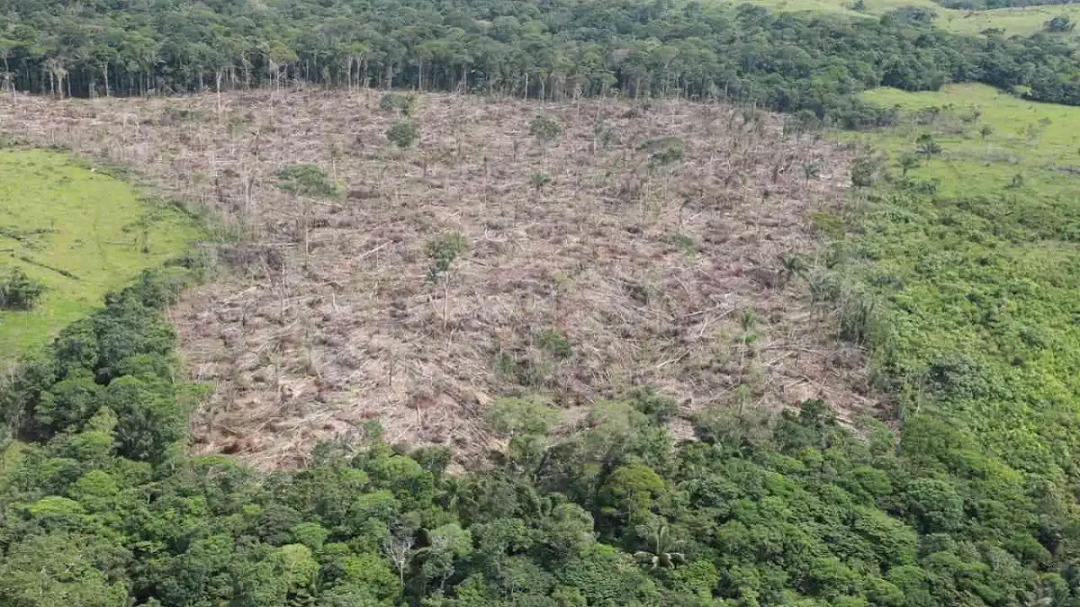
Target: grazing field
[[569, 252], [1011, 21], [987, 139], [80, 233], [969, 262]]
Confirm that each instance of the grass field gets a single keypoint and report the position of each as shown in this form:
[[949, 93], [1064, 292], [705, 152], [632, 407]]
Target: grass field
[[1040, 142], [78, 231], [972, 271], [1012, 21]]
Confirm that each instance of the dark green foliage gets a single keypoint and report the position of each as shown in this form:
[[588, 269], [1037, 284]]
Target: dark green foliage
[[18, 291], [804, 511], [554, 344], [911, 15], [1060, 24], [403, 133], [543, 50], [865, 171]]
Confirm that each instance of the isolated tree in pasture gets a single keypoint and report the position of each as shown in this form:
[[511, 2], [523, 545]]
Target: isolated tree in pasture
[[907, 162], [1060, 25], [18, 291], [926, 145]]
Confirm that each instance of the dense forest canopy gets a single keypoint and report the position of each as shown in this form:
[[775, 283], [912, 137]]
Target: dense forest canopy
[[549, 49]]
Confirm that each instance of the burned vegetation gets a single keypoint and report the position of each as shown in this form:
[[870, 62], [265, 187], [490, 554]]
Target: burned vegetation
[[410, 259]]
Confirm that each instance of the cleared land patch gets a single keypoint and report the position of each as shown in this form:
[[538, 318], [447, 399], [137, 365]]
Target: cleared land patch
[[77, 231], [571, 252]]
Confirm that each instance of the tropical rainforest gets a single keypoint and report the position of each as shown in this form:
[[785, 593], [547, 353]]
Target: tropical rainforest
[[964, 493]]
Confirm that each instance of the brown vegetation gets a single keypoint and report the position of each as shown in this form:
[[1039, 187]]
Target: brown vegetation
[[641, 245]]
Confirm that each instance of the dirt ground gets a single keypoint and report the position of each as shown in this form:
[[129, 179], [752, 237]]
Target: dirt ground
[[659, 244]]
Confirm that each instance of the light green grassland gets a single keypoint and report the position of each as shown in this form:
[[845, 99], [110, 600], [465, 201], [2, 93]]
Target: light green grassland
[[1038, 141], [1012, 21], [56, 215]]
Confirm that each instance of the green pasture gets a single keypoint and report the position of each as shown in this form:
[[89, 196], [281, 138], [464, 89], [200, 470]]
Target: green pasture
[[1012, 21], [78, 231], [988, 138]]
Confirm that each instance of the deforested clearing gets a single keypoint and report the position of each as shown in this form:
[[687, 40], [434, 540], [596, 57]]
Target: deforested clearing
[[571, 252]]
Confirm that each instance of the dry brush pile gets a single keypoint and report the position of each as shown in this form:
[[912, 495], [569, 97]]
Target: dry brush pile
[[569, 251]]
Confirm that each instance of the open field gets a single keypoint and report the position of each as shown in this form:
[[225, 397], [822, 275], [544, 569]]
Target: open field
[[1012, 21], [1038, 141], [78, 231], [639, 245]]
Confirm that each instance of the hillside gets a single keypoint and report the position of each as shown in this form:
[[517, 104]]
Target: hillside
[[1009, 21], [640, 244], [77, 233], [620, 303]]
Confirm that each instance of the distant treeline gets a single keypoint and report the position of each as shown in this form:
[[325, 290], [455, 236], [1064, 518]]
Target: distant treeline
[[548, 49]]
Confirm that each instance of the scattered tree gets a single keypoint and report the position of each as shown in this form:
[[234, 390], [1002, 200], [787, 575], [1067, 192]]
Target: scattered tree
[[443, 251], [403, 133], [926, 145], [908, 161], [864, 171], [1060, 25], [545, 129], [18, 291]]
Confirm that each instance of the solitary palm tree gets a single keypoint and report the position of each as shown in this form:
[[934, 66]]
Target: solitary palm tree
[[659, 555]]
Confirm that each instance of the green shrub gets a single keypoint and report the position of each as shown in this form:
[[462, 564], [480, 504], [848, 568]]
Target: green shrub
[[554, 343], [545, 129], [18, 291], [403, 133], [865, 171], [305, 180], [391, 102], [442, 251], [671, 153]]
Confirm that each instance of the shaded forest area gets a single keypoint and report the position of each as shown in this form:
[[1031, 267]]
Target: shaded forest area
[[546, 50]]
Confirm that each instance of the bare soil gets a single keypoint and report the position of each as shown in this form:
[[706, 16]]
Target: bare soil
[[594, 263]]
